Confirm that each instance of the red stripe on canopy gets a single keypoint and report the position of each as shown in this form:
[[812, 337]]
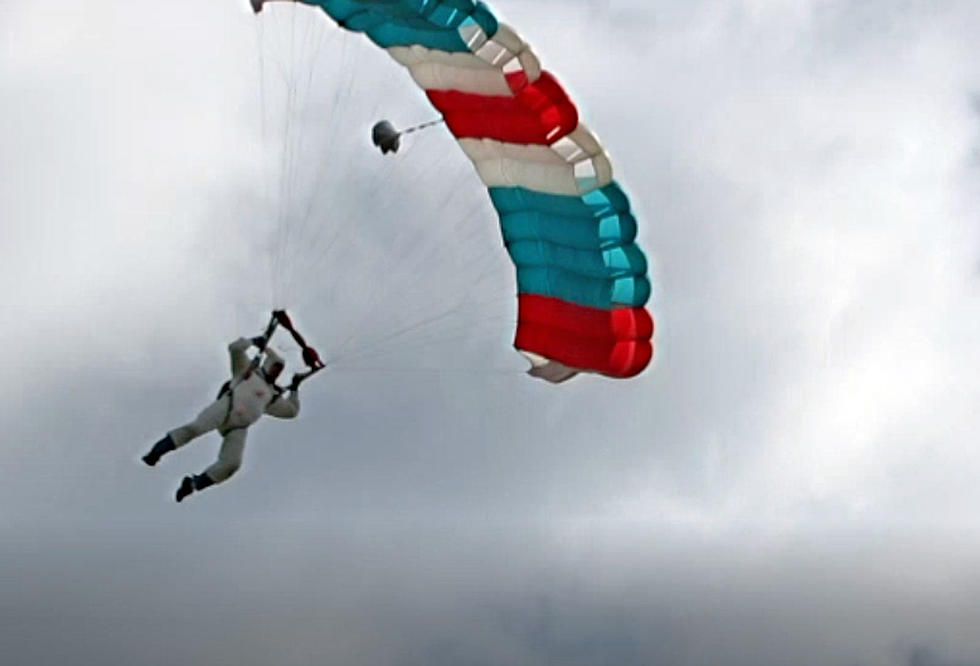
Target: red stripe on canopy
[[614, 342], [540, 113]]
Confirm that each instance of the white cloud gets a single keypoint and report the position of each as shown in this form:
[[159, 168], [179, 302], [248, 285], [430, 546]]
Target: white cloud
[[805, 175]]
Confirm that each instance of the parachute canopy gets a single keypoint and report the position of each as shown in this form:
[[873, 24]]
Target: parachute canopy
[[581, 278]]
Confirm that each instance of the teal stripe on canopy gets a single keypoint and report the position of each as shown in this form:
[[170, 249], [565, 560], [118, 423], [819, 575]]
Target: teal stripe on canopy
[[583, 233], [576, 248], [597, 203], [621, 261], [630, 291], [433, 24]]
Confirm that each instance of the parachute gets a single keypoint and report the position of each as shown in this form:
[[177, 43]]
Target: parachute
[[566, 223]]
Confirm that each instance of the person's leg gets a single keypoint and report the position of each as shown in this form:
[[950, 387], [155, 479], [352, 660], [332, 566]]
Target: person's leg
[[228, 462], [211, 418], [229, 457]]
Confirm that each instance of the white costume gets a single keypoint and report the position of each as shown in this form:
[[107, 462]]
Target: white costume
[[248, 396]]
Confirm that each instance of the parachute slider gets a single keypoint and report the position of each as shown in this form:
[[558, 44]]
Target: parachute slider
[[388, 139]]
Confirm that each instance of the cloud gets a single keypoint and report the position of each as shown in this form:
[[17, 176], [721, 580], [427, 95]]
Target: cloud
[[922, 655], [793, 481]]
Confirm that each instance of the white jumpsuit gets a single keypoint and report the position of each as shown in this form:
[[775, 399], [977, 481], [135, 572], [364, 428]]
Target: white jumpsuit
[[250, 398]]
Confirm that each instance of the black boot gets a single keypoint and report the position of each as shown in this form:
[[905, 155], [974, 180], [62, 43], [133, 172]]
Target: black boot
[[186, 488], [192, 483], [257, 5], [202, 481], [165, 445]]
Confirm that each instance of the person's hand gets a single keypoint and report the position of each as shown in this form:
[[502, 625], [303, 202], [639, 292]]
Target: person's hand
[[299, 378], [259, 341]]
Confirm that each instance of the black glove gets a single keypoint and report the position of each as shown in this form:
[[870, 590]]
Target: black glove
[[298, 378], [259, 341]]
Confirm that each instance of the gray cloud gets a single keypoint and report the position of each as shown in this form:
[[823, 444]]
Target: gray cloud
[[922, 655]]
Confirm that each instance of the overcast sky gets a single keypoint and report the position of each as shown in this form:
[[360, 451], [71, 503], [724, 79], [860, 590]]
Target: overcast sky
[[794, 480]]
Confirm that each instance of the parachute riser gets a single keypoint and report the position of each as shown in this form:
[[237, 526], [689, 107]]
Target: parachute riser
[[270, 329], [310, 355], [280, 318]]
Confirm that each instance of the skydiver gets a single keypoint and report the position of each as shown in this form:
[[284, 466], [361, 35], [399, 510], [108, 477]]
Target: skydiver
[[250, 393]]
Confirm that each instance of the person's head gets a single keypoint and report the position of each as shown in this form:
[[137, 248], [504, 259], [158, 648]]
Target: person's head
[[273, 365]]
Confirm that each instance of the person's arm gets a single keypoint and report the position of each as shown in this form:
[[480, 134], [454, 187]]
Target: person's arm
[[288, 407], [239, 359], [285, 406]]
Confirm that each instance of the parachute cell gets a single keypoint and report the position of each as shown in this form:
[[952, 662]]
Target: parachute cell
[[566, 223]]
